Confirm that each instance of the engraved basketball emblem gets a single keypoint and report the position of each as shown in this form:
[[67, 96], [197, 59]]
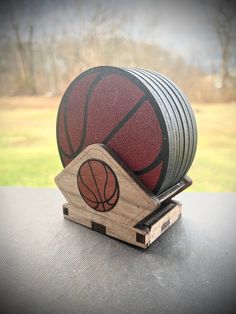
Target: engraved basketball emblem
[[98, 185]]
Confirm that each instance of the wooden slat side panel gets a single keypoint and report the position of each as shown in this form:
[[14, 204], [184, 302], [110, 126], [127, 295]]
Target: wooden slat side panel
[[164, 223], [113, 229]]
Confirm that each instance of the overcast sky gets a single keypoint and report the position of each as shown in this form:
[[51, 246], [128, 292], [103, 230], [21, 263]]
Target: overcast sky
[[183, 26]]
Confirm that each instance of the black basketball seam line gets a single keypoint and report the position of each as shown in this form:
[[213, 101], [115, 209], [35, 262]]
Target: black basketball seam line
[[62, 151], [151, 166], [164, 150], [102, 202], [66, 129], [126, 118], [148, 81], [119, 125], [188, 108], [160, 118], [116, 187], [64, 98], [164, 130], [62, 104], [88, 189], [89, 93], [95, 183], [170, 99], [123, 122], [79, 175], [104, 190], [64, 107], [89, 200], [106, 200], [84, 198], [74, 153], [161, 178], [116, 184], [156, 188], [124, 73], [85, 116]]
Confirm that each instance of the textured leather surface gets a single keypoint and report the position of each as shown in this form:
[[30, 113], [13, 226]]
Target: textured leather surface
[[51, 265], [111, 106], [140, 115]]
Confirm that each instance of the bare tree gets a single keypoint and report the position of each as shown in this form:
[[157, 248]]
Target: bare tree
[[30, 60], [25, 51], [51, 47], [223, 26]]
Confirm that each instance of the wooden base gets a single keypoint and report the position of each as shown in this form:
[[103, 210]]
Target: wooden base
[[141, 235], [104, 195]]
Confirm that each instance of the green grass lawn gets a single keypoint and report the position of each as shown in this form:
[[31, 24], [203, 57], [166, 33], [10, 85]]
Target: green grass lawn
[[28, 152]]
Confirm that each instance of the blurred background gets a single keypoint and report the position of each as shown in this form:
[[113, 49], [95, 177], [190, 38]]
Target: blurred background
[[45, 44]]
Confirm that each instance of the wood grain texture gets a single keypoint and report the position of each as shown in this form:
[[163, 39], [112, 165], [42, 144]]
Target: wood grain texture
[[124, 232], [164, 223], [134, 202], [113, 228]]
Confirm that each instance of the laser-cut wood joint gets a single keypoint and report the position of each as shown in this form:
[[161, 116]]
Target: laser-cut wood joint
[[104, 195]]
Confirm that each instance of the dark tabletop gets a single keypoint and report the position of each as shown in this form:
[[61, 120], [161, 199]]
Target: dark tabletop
[[52, 265]]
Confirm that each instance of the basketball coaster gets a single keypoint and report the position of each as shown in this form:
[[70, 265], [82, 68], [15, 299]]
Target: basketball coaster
[[144, 127]]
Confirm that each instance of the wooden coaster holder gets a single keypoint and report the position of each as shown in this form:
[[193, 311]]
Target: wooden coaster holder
[[139, 217]]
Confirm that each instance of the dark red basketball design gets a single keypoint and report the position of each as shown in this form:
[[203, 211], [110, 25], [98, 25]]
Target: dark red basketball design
[[98, 185], [109, 105]]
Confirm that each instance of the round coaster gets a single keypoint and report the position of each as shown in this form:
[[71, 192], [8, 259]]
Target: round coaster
[[141, 115]]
